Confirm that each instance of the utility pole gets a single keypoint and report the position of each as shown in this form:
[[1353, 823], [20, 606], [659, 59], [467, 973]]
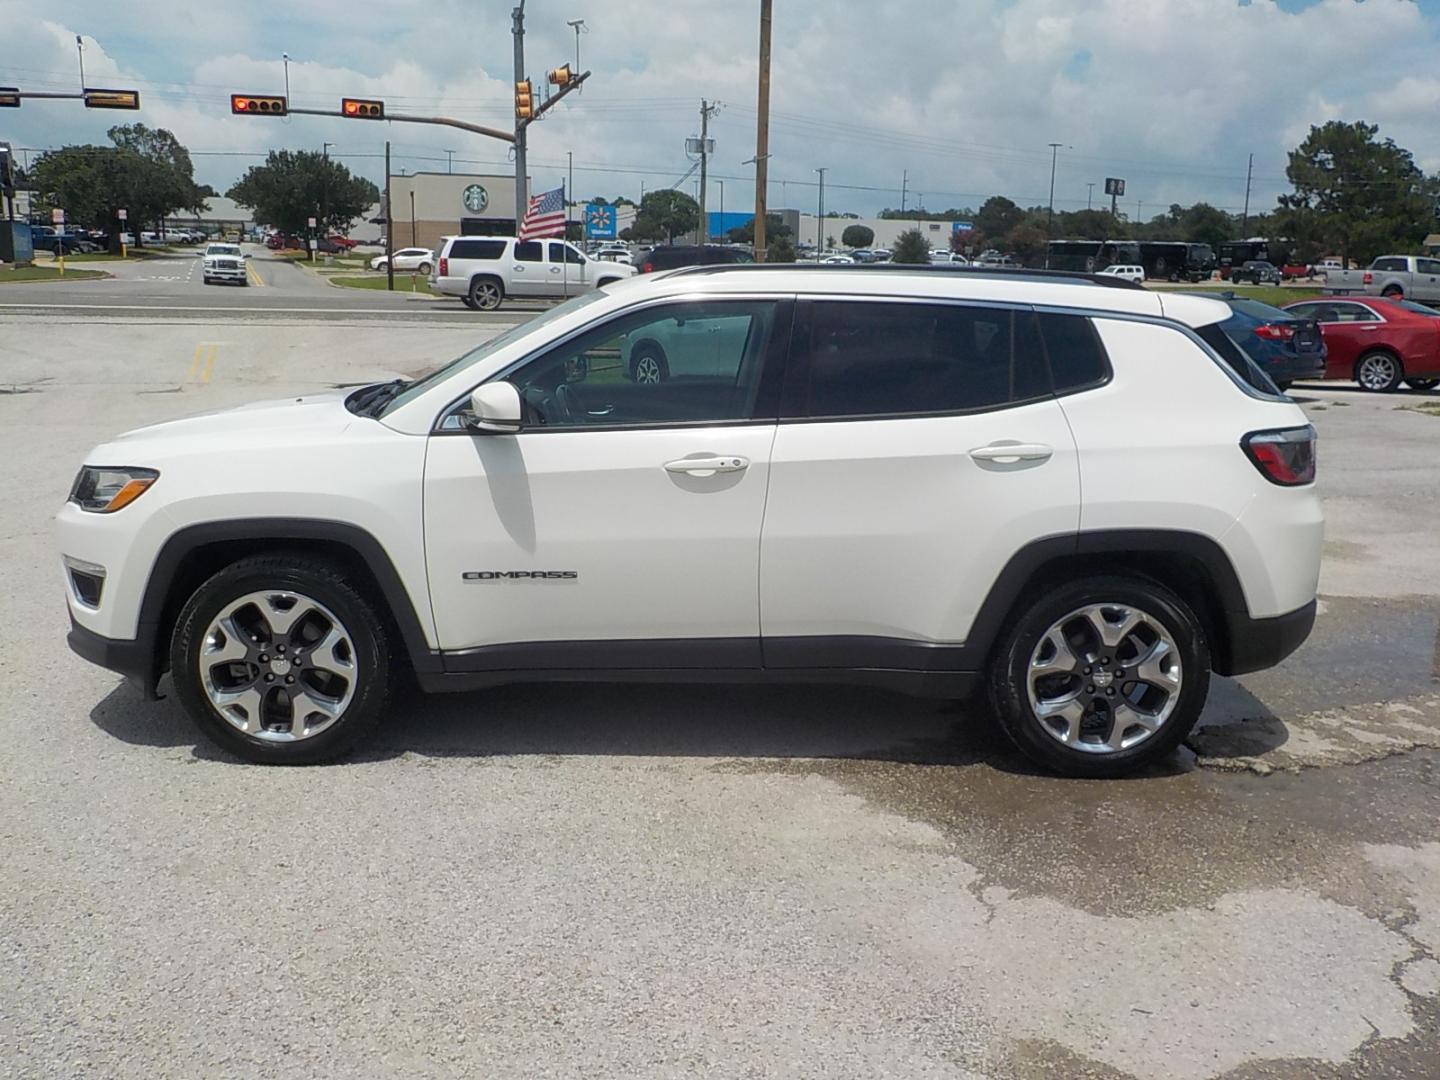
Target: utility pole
[[517, 28], [762, 130], [389, 226], [1245, 216], [904, 189], [565, 237], [1050, 221], [820, 216], [1090, 196], [414, 240], [706, 111]]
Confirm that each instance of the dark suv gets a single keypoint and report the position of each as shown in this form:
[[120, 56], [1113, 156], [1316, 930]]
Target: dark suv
[[668, 258]]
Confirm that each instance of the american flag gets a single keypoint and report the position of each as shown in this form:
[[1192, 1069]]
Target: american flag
[[545, 215]]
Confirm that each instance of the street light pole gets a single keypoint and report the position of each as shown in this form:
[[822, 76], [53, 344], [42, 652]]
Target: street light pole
[[578, 25], [1089, 195], [286, 58], [1050, 221], [820, 226]]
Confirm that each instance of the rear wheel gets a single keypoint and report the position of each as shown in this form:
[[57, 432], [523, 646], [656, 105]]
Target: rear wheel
[[424, 269], [648, 364], [281, 660], [1422, 384], [1378, 371], [1100, 677], [486, 294], [1393, 292]]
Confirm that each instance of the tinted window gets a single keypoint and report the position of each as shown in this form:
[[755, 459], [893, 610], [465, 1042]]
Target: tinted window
[[1428, 266], [565, 253], [1310, 311], [529, 251], [1418, 309], [477, 249], [1073, 347], [1238, 360], [682, 363], [879, 359]]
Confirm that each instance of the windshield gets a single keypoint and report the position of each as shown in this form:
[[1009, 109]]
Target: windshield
[[222, 249], [1418, 309], [474, 356]]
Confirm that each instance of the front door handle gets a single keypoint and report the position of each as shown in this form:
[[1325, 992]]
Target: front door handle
[[1009, 453], [707, 466], [518, 267], [554, 269]]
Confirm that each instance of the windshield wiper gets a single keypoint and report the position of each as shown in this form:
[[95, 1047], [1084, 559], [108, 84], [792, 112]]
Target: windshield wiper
[[369, 401]]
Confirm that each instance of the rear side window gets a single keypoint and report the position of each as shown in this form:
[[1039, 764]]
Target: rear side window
[[1237, 359], [529, 251], [1388, 264], [895, 359], [1077, 359], [477, 249]]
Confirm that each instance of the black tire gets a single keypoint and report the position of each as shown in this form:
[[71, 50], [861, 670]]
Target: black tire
[[423, 269], [648, 364], [1379, 371], [1393, 292], [329, 585], [486, 293], [1422, 384], [468, 302], [1010, 667]]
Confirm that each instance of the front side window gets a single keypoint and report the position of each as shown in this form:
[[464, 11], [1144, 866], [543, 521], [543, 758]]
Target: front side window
[[529, 251], [1077, 358], [1428, 266], [683, 363], [896, 359]]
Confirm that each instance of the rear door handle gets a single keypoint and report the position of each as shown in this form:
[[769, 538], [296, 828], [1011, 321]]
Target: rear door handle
[[1008, 453], [707, 466]]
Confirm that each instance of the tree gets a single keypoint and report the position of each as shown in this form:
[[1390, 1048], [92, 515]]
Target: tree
[[1027, 242], [146, 172], [666, 213], [1355, 194], [997, 217], [779, 250], [911, 247], [775, 228], [294, 185], [857, 236]]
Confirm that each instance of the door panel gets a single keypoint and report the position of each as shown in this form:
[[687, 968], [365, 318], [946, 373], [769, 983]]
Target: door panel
[[653, 553], [528, 269]]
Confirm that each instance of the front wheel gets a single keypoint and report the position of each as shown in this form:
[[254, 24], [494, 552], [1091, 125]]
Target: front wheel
[[281, 660], [1100, 677], [1422, 384], [648, 364], [1378, 371]]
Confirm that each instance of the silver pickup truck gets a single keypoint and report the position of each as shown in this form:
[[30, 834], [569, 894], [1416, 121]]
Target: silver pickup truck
[[1413, 277]]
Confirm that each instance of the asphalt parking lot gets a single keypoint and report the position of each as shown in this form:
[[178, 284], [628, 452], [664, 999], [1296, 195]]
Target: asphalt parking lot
[[656, 881]]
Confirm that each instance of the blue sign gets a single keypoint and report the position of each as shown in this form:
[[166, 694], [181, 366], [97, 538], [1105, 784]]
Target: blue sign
[[961, 226], [600, 222]]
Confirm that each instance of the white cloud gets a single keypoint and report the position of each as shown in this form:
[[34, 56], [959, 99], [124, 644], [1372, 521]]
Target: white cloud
[[1172, 95]]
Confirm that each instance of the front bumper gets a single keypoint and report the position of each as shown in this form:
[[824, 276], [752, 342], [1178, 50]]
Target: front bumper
[[235, 273], [1256, 644], [133, 659]]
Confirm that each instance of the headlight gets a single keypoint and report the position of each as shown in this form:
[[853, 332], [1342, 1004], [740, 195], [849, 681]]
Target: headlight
[[103, 491]]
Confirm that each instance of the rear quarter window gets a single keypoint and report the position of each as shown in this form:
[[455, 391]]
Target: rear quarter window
[[477, 249], [1077, 358]]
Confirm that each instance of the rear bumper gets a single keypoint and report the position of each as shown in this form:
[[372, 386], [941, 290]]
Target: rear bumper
[[1256, 644]]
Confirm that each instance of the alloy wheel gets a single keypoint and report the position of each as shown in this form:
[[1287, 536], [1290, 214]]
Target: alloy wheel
[[1104, 678], [647, 369], [1377, 372], [278, 666]]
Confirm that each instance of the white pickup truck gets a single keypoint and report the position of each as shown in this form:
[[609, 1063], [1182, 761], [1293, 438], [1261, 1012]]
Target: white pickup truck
[[1411, 277]]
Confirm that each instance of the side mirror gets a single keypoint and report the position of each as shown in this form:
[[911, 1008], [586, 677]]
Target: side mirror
[[246, 255], [496, 408]]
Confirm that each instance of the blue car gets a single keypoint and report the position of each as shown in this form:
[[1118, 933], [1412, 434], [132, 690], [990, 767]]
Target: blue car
[[1284, 347]]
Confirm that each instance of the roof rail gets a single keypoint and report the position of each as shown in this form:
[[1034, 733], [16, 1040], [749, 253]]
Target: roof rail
[[1074, 277]]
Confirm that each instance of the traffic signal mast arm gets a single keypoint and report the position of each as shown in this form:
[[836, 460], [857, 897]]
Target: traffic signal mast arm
[[549, 102], [444, 121]]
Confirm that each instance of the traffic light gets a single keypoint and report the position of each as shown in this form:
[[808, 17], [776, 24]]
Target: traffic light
[[524, 101], [561, 76], [112, 99], [363, 108], [255, 105], [9, 97]]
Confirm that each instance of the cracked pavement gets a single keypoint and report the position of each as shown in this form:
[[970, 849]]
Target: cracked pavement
[[661, 881]]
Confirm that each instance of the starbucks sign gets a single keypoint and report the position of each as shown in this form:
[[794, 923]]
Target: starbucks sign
[[476, 198]]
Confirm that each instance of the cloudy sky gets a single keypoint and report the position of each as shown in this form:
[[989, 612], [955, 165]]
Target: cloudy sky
[[964, 95]]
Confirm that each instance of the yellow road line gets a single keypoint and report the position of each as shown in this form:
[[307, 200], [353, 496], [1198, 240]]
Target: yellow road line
[[254, 274], [195, 363], [209, 364]]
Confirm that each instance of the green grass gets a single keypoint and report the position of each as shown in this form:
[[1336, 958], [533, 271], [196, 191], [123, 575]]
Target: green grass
[[402, 283], [45, 273], [1274, 295]]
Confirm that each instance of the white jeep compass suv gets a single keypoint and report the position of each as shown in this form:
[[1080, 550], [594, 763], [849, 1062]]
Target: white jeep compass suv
[[484, 271], [1069, 491]]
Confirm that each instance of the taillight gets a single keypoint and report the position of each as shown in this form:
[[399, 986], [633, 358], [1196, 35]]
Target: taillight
[[1284, 457], [647, 266], [1275, 332], [1369, 278], [444, 266]]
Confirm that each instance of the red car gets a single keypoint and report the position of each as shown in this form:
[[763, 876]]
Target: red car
[[1378, 343]]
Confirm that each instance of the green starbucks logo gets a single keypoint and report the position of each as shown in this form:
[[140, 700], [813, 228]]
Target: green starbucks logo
[[476, 198]]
